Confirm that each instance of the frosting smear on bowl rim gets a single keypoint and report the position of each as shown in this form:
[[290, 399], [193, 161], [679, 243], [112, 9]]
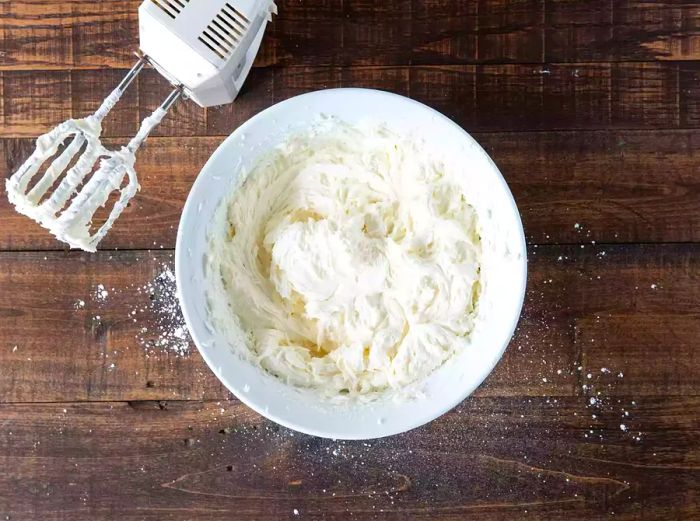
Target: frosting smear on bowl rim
[[351, 257]]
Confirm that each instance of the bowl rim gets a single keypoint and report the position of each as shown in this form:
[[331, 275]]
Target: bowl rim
[[189, 211]]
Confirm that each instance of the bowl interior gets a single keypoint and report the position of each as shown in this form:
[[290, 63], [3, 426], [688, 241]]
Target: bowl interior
[[504, 266]]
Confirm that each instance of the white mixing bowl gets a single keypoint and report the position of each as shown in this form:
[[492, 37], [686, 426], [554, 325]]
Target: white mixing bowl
[[504, 267]]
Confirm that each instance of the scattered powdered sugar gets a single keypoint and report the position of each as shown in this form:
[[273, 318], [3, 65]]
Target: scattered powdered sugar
[[100, 294], [605, 406], [168, 331], [545, 332], [153, 307]]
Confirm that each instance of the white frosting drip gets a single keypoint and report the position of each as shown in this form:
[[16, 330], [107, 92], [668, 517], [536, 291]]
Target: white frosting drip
[[351, 257]]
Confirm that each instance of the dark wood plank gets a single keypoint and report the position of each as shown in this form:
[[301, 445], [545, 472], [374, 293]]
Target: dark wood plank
[[630, 314], [33, 41], [445, 28], [41, 34], [614, 339], [35, 102], [574, 93], [509, 30], [66, 354], [304, 27], [79, 346], [631, 186], [481, 98], [68, 34], [645, 94], [600, 30], [492, 458], [451, 89], [578, 31], [619, 186], [375, 33], [688, 78], [509, 95]]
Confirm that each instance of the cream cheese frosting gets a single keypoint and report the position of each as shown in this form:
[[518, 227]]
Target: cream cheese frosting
[[352, 259]]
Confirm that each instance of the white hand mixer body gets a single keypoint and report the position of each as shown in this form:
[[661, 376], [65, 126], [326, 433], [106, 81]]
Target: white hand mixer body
[[204, 47]]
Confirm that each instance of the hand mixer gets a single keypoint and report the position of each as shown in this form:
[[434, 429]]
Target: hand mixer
[[205, 48]]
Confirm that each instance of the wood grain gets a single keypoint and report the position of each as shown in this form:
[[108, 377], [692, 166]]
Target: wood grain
[[590, 109], [74, 34], [621, 186], [80, 347], [35, 101], [646, 95], [582, 304], [627, 30], [69, 34], [480, 98], [492, 458]]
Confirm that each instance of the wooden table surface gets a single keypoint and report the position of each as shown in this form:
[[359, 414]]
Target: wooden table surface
[[591, 108]]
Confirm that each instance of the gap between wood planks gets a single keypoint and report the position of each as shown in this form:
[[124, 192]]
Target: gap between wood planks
[[375, 66], [66, 250], [162, 402]]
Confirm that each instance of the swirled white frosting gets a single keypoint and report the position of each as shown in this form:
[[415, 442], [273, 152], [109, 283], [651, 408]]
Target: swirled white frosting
[[352, 259]]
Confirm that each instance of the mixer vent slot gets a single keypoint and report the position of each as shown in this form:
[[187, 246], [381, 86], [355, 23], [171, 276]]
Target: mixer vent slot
[[171, 7], [225, 31]]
